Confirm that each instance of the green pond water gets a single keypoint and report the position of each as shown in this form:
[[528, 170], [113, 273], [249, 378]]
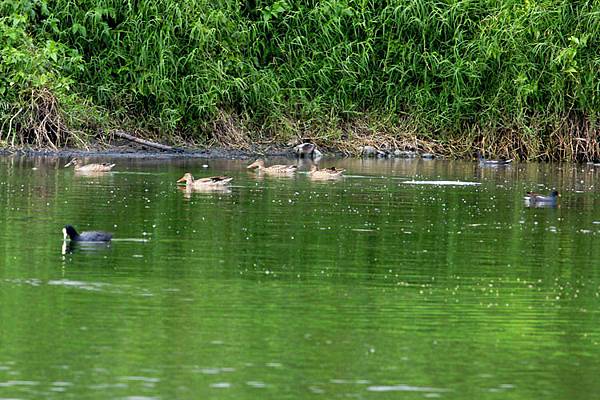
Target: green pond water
[[370, 287]]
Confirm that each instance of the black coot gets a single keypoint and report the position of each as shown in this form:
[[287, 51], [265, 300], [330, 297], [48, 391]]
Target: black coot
[[89, 236]]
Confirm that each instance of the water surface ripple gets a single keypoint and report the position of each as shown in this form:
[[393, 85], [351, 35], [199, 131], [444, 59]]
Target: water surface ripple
[[406, 279]]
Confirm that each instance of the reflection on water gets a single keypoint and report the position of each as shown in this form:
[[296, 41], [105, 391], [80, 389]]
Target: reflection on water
[[69, 247], [406, 278], [189, 190], [91, 174], [536, 204]]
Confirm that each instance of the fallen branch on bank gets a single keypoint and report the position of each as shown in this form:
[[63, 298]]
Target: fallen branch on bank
[[145, 142]]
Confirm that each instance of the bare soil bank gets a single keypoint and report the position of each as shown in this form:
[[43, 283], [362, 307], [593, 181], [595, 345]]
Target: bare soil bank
[[142, 152]]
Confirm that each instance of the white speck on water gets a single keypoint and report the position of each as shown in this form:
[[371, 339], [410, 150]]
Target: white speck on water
[[315, 389], [256, 384], [220, 385], [405, 388], [18, 383], [209, 371], [140, 379]]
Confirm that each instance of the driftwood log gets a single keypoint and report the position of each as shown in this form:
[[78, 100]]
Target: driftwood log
[[145, 142]]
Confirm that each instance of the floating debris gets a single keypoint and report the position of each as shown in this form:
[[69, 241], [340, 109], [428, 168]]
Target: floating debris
[[443, 183]]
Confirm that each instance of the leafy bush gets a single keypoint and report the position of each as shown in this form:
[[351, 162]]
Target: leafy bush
[[519, 75], [36, 81]]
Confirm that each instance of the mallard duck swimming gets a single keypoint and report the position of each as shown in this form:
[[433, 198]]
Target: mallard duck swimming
[[210, 181], [326, 173], [79, 167], [492, 163], [89, 236], [532, 197], [273, 169]]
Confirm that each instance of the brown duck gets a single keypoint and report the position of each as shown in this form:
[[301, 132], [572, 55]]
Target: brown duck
[[211, 181], [80, 167], [280, 169], [326, 173]]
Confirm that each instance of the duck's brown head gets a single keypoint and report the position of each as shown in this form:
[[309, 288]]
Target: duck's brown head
[[187, 178], [257, 164], [75, 162]]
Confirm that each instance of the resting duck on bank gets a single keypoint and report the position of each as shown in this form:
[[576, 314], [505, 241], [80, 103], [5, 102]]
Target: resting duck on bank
[[492, 163], [79, 167], [532, 197], [273, 169], [211, 181], [89, 236], [304, 149], [327, 173]]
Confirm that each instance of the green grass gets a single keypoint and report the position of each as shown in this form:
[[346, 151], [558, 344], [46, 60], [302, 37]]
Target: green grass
[[510, 76]]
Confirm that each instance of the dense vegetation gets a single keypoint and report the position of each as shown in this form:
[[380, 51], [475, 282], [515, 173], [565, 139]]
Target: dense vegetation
[[508, 76]]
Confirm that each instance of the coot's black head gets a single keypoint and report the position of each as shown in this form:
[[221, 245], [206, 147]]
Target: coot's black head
[[69, 231]]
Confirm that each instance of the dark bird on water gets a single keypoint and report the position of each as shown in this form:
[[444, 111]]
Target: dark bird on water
[[88, 236], [532, 197], [491, 163]]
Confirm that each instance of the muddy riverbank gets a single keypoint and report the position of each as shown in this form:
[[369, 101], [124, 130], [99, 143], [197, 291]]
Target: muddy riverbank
[[141, 152]]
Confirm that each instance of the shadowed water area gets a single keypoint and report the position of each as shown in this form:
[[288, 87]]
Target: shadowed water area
[[380, 285]]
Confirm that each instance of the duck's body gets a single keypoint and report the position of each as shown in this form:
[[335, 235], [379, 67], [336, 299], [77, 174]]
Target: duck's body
[[326, 173], [492, 163], [279, 169], [80, 167], [211, 181], [536, 198], [89, 236]]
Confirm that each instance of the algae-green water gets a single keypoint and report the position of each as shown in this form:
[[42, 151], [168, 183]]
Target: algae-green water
[[406, 279]]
